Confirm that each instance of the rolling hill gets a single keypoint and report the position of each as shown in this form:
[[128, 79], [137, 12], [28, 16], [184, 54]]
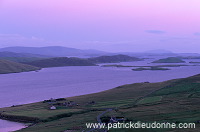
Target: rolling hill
[[21, 57], [13, 54], [14, 67], [56, 51]]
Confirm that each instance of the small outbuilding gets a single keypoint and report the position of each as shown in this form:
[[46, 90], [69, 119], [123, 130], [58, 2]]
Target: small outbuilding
[[52, 108]]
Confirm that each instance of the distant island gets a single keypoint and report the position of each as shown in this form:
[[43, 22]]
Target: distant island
[[194, 62], [117, 65], [191, 57], [169, 60], [113, 59], [14, 67], [152, 68]]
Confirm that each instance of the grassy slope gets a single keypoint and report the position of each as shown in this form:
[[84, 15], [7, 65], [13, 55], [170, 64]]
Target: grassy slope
[[14, 67], [172, 101]]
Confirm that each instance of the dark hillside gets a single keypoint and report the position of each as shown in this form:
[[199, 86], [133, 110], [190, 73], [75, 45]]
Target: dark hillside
[[21, 57], [13, 67], [61, 61]]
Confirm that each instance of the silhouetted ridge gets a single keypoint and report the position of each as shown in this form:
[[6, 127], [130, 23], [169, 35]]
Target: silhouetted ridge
[[61, 61]]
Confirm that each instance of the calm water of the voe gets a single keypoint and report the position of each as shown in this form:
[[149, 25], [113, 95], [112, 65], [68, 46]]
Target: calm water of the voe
[[7, 126], [27, 87]]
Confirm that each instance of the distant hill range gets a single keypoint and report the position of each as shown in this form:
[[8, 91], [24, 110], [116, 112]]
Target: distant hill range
[[21, 57], [169, 60], [191, 57], [13, 54], [113, 59], [13, 67], [56, 51], [159, 51]]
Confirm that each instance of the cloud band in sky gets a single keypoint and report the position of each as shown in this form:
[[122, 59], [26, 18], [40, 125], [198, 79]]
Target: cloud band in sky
[[156, 31]]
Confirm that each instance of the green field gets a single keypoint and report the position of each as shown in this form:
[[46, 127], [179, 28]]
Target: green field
[[150, 100]]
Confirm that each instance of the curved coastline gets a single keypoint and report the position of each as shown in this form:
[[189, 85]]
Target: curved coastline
[[7, 126]]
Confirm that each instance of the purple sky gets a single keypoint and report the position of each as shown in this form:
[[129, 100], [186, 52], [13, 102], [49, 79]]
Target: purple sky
[[109, 25]]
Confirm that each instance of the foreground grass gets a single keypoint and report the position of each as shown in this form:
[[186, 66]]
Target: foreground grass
[[169, 101]]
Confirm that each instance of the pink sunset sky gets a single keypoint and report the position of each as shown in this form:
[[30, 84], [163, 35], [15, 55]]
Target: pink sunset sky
[[109, 25]]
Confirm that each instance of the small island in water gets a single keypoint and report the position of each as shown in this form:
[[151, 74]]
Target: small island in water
[[169, 60], [152, 68]]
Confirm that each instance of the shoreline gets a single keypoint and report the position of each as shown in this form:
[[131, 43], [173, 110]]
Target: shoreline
[[34, 121], [19, 119], [8, 125]]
